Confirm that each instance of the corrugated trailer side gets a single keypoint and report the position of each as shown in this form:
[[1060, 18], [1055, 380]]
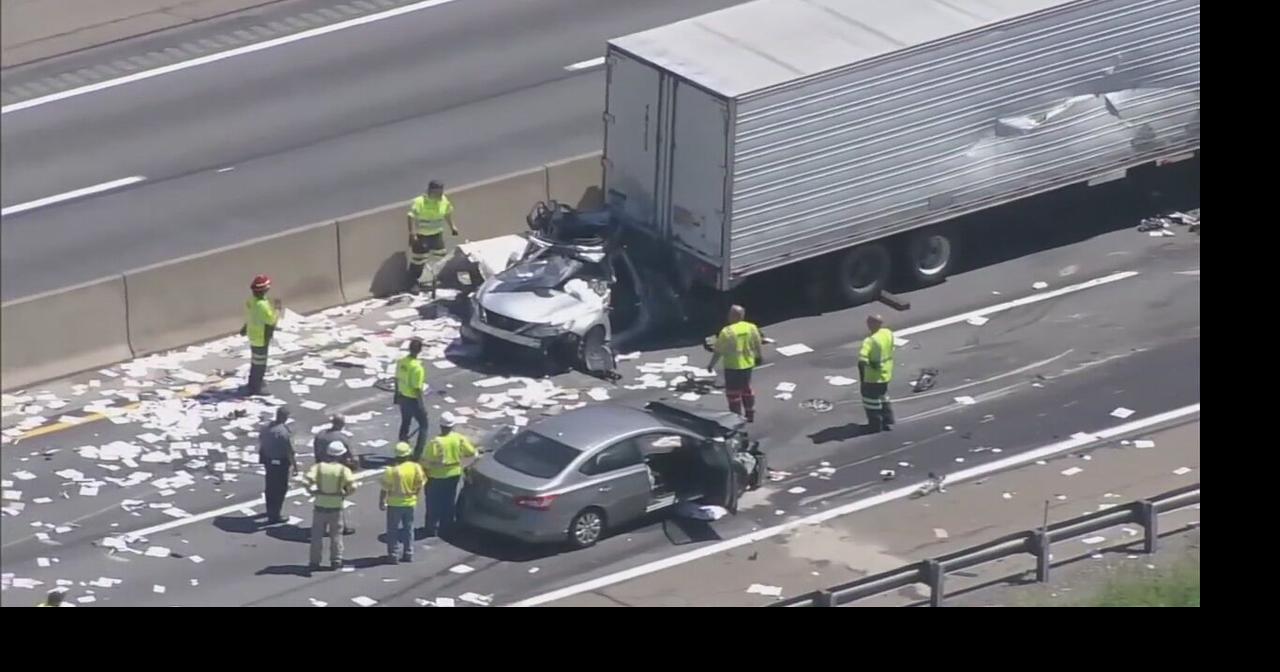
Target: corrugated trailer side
[[990, 114]]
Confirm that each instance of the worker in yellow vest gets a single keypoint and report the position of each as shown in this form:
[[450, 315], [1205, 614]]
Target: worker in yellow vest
[[875, 371], [331, 483], [443, 462], [426, 218], [411, 390], [401, 484], [740, 346], [260, 318]]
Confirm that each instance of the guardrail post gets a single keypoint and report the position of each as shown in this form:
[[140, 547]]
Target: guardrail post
[[1149, 518], [1040, 544], [935, 576], [824, 598]]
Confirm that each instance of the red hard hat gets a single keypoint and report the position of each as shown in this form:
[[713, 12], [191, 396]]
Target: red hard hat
[[260, 282]]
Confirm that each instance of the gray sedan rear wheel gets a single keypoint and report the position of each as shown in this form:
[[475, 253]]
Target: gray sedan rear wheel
[[586, 528]]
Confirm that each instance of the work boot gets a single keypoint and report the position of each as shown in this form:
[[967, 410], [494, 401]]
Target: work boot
[[887, 413]]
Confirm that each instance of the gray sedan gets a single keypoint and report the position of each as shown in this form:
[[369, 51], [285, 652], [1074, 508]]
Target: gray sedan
[[574, 476]]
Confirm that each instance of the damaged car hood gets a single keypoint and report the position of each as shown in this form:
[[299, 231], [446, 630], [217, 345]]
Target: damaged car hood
[[543, 307]]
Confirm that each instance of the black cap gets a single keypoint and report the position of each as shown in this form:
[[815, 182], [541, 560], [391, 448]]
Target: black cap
[[435, 184]]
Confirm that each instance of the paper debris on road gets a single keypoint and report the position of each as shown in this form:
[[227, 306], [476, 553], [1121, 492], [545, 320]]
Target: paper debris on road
[[462, 569], [88, 491], [86, 599], [826, 471], [11, 495], [888, 474], [1122, 413], [364, 601], [158, 589], [196, 559], [767, 591], [317, 603], [794, 349], [1144, 443], [1071, 471], [840, 381], [598, 393], [534, 570], [312, 405], [1040, 285], [776, 476], [157, 552], [706, 512], [43, 562], [786, 387], [402, 313], [940, 533], [476, 599], [23, 475], [492, 382], [1006, 495], [1094, 540], [959, 459], [978, 320], [965, 400], [1181, 471], [690, 396], [798, 490]]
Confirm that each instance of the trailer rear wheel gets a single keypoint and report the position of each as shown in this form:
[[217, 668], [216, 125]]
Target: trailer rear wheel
[[928, 256], [862, 273]]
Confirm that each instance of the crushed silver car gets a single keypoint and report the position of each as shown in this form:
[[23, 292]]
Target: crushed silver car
[[568, 295]]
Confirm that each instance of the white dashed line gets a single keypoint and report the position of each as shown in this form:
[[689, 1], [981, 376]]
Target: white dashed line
[[50, 200]]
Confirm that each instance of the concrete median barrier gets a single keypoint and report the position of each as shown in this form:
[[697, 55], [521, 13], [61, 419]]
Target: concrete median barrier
[[63, 332], [576, 181], [498, 207], [202, 296], [371, 252]]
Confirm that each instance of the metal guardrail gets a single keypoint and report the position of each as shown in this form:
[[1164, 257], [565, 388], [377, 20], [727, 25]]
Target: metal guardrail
[[1038, 542]]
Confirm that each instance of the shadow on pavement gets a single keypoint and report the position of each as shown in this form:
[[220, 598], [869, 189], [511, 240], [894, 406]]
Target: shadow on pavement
[[844, 432], [681, 531], [241, 524], [284, 570]]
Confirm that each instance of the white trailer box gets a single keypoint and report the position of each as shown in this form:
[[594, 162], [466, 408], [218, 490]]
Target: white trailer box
[[779, 130]]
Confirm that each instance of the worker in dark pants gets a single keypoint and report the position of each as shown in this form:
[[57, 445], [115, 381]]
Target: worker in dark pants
[[875, 372], [260, 318], [335, 434], [411, 387], [427, 217], [443, 465], [740, 345], [275, 452]]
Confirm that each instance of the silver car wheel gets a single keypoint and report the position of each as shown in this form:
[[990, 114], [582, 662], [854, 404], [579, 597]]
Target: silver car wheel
[[587, 528]]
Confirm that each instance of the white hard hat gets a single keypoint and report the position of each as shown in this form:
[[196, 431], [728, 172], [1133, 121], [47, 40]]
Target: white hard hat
[[447, 419], [336, 449]]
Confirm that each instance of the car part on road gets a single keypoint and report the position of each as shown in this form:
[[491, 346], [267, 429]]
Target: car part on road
[[925, 381], [817, 405]]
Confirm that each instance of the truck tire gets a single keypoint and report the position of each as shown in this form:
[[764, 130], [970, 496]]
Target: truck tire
[[927, 256], [862, 272]]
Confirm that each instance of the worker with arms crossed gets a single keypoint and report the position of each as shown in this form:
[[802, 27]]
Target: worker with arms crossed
[[426, 219]]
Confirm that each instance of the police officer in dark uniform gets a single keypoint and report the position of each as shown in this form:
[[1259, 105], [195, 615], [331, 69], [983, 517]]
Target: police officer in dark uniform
[[275, 452]]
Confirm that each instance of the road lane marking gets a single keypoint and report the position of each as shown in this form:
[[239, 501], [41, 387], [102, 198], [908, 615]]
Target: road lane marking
[[1075, 443], [213, 58], [58, 198], [585, 65]]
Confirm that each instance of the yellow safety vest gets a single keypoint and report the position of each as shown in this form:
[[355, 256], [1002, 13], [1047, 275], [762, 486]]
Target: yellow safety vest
[[333, 483], [402, 483], [443, 458], [738, 344], [429, 214], [877, 354], [410, 377], [258, 315]]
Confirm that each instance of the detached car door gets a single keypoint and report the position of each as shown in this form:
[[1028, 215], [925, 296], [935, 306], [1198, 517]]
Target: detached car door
[[618, 480]]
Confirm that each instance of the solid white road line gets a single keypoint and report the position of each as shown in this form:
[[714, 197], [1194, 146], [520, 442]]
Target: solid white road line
[[50, 200], [1074, 443], [585, 65], [230, 53], [1016, 303]]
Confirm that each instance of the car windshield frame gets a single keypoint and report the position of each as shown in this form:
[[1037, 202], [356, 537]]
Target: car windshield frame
[[546, 270], [520, 455]]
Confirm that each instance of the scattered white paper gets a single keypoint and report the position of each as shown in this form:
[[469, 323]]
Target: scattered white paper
[[88, 491], [362, 600], [797, 490], [317, 603], [761, 589], [1093, 540], [978, 320], [23, 475], [965, 401], [786, 387], [158, 589], [196, 559], [1006, 495], [1122, 413], [1040, 285], [158, 552], [1071, 471], [793, 350], [840, 381], [312, 405], [690, 396], [86, 599], [476, 599], [598, 393], [462, 569], [940, 533], [534, 570], [1181, 471], [1143, 443], [43, 562]]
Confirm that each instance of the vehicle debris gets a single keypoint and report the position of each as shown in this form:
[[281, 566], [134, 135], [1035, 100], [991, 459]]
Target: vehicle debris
[[925, 381], [767, 591]]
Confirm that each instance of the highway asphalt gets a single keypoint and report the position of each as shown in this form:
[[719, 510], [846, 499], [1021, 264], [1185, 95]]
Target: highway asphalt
[[1037, 373], [301, 132]]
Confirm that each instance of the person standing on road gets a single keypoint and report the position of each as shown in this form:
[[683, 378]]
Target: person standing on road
[[740, 344], [331, 483], [275, 452], [260, 319], [54, 599], [443, 463], [426, 219], [411, 389], [335, 433], [401, 484], [875, 372]]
